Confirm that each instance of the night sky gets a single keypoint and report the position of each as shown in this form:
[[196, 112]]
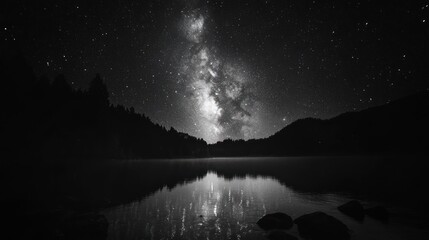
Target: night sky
[[229, 69]]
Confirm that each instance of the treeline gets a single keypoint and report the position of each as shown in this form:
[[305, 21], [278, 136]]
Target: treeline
[[51, 120]]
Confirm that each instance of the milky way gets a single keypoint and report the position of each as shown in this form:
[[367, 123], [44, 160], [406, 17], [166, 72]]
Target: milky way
[[228, 69], [221, 91]]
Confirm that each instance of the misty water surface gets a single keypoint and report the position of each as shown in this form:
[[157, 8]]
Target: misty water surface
[[213, 207]]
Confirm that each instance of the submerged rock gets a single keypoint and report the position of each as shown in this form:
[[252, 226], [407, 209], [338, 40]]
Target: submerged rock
[[275, 221], [378, 212], [353, 209], [280, 235], [321, 226]]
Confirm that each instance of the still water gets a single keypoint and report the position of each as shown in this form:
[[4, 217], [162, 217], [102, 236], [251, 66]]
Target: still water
[[213, 207]]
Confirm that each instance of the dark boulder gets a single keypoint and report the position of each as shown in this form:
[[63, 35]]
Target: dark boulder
[[275, 221], [380, 213], [321, 226], [280, 235], [353, 209]]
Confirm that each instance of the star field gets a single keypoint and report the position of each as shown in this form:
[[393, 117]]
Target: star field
[[229, 69]]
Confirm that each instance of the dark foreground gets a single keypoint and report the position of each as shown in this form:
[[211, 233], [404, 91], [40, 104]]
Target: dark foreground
[[49, 202]]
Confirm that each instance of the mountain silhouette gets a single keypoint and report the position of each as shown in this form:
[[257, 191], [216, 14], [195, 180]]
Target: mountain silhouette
[[400, 126], [46, 119]]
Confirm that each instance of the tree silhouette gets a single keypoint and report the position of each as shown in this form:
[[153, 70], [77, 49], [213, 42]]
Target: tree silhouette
[[98, 92]]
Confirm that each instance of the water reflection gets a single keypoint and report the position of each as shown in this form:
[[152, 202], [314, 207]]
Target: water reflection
[[213, 207]]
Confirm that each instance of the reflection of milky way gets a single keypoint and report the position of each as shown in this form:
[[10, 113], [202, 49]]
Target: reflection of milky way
[[221, 92]]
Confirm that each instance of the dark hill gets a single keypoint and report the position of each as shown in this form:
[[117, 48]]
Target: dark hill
[[400, 126]]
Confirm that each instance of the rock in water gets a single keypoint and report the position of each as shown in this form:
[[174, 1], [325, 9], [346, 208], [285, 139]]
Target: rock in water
[[275, 221], [378, 212], [280, 235], [353, 209], [321, 226]]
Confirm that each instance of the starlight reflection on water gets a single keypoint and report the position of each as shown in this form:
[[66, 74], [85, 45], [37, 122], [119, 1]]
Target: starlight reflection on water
[[217, 208]]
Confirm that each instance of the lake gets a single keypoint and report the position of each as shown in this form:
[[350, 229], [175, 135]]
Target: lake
[[228, 196]]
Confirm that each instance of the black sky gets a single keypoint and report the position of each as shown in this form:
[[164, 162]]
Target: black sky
[[287, 59]]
